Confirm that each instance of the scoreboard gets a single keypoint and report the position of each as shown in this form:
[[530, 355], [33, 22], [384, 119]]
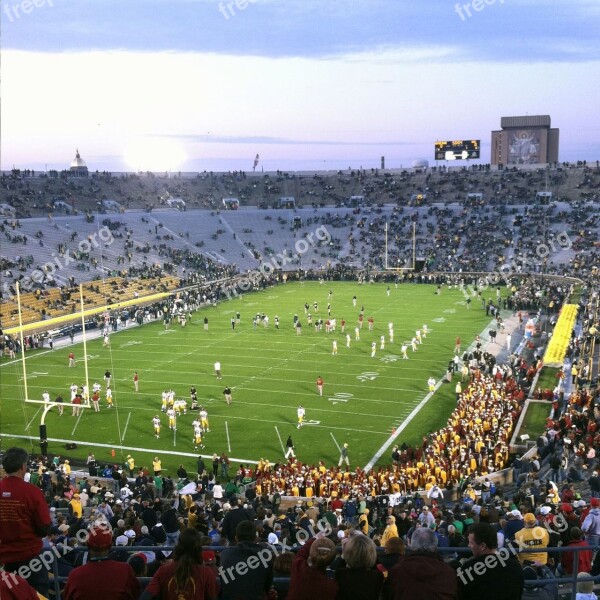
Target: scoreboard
[[457, 150]]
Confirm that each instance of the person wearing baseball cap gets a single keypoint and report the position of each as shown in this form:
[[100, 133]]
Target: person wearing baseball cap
[[591, 524], [390, 530], [101, 577], [532, 536]]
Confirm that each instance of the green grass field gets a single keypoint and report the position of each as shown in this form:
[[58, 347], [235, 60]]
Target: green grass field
[[270, 371]]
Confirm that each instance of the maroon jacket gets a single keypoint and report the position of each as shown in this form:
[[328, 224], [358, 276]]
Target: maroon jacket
[[421, 576], [585, 558], [308, 583]]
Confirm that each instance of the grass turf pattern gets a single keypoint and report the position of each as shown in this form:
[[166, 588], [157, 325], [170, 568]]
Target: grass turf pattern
[[270, 371]]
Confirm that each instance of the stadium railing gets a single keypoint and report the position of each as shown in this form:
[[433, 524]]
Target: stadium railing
[[567, 583]]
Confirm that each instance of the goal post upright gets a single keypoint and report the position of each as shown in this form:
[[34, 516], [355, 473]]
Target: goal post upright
[[83, 333], [414, 252], [18, 286]]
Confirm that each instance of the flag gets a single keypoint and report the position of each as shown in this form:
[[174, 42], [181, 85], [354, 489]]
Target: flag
[[256, 159]]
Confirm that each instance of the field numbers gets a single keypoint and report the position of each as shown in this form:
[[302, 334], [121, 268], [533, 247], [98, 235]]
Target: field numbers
[[340, 397], [132, 343], [439, 320], [367, 376], [390, 358]]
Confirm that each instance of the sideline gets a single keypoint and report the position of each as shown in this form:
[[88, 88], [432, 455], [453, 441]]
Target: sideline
[[112, 446], [484, 338]]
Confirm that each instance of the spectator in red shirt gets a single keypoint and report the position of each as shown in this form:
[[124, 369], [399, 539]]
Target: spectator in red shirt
[[24, 520], [585, 556], [13, 587], [101, 578], [185, 576]]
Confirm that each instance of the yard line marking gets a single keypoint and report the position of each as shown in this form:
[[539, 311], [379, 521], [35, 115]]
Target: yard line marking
[[117, 447], [335, 442], [33, 418], [78, 419], [126, 424], [280, 441], [227, 432]]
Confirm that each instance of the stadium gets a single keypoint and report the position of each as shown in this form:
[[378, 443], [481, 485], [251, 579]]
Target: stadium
[[151, 294], [299, 300]]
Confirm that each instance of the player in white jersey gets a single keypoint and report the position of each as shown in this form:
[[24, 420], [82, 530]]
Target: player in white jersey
[[73, 390], [373, 349], [357, 334], [334, 347], [96, 387], [300, 412], [348, 338], [413, 343], [391, 334], [180, 406], [390, 326], [425, 331], [165, 398], [109, 397], [172, 419], [203, 414], [46, 396], [171, 398], [404, 349], [418, 336], [85, 392], [196, 423], [156, 425], [198, 438], [431, 384]]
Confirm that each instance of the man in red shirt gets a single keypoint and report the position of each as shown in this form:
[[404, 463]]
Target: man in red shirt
[[320, 383], [101, 578], [24, 521]]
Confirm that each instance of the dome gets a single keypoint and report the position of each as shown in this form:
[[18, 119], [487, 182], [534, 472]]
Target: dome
[[420, 163], [78, 162]]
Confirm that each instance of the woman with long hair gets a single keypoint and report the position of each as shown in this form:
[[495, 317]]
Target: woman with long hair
[[185, 577]]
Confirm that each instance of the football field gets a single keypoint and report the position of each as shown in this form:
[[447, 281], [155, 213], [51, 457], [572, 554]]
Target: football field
[[270, 371]]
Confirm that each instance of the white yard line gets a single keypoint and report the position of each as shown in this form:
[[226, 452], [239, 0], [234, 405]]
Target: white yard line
[[280, 441], [134, 448], [335, 442], [78, 419], [415, 412], [33, 419], [126, 424], [227, 432]]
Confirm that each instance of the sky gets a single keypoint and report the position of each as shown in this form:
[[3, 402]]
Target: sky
[[194, 85]]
